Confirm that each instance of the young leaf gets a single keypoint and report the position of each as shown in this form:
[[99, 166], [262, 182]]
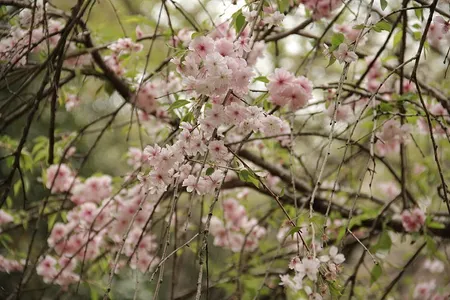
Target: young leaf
[[209, 171], [293, 231], [262, 79], [383, 25], [375, 273], [397, 37], [336, 40], [178, 104], [239, 20], [383, 4]]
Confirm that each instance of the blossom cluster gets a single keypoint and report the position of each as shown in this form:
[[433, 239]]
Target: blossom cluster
[[438, 112], [97, 223], [119, 48], [413, 220], [237, 231], [321, 8], [149, 94], [287, 90], [392, 135], [10, 265], [307, 270], [272, 17], [439, 30], [26, 38], [213, 67], [5, 218]]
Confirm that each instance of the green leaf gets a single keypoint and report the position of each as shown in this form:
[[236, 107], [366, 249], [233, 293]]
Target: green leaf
[[383, 25], [178, 104], [282, 192], [197, 34], [337, 39], [419, 13], [248, 176], [51, 220], [359, 26], [244, 175], [238, 20], [398, 37], [384, 242], [283, 5], [94, 293], [260, 98], [431, 245], [209, 171], [16, 187], [189, 117], [383, 4], [375, 273], [262, 79], [436, 225], [417, 35], [9, 202], [109, 88], [332, 61], [293, 231]]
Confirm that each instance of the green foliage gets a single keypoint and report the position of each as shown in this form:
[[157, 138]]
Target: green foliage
[[178, 104], [375, 273], [247, 175], [336, 40], [261, 78], [209, 171], [384, 242], [283, 5], [382, 25], [238, 20]]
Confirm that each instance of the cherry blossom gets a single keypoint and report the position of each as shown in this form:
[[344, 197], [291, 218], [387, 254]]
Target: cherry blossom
[[5, 218], [321, 8], [424, 290], [285, 89], [434, 265], [343, 54], [392, 135], [413, 220], [334, 256], [125, 45], [9, 265], [59, 178]]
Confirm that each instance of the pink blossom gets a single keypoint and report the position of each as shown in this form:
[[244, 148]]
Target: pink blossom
[[5, 218], [434, 266], [192, 183], [59, 178], [442, 25], [285, 89], [392, 135], [125, 45], [413, 220], [47, 268], [218, 151], [291, 283], [343, 54], [424, 290], [343, 112], [274, 19], [321, 8], [202, 45], [9, 265], [349, 32], [390, 189]]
